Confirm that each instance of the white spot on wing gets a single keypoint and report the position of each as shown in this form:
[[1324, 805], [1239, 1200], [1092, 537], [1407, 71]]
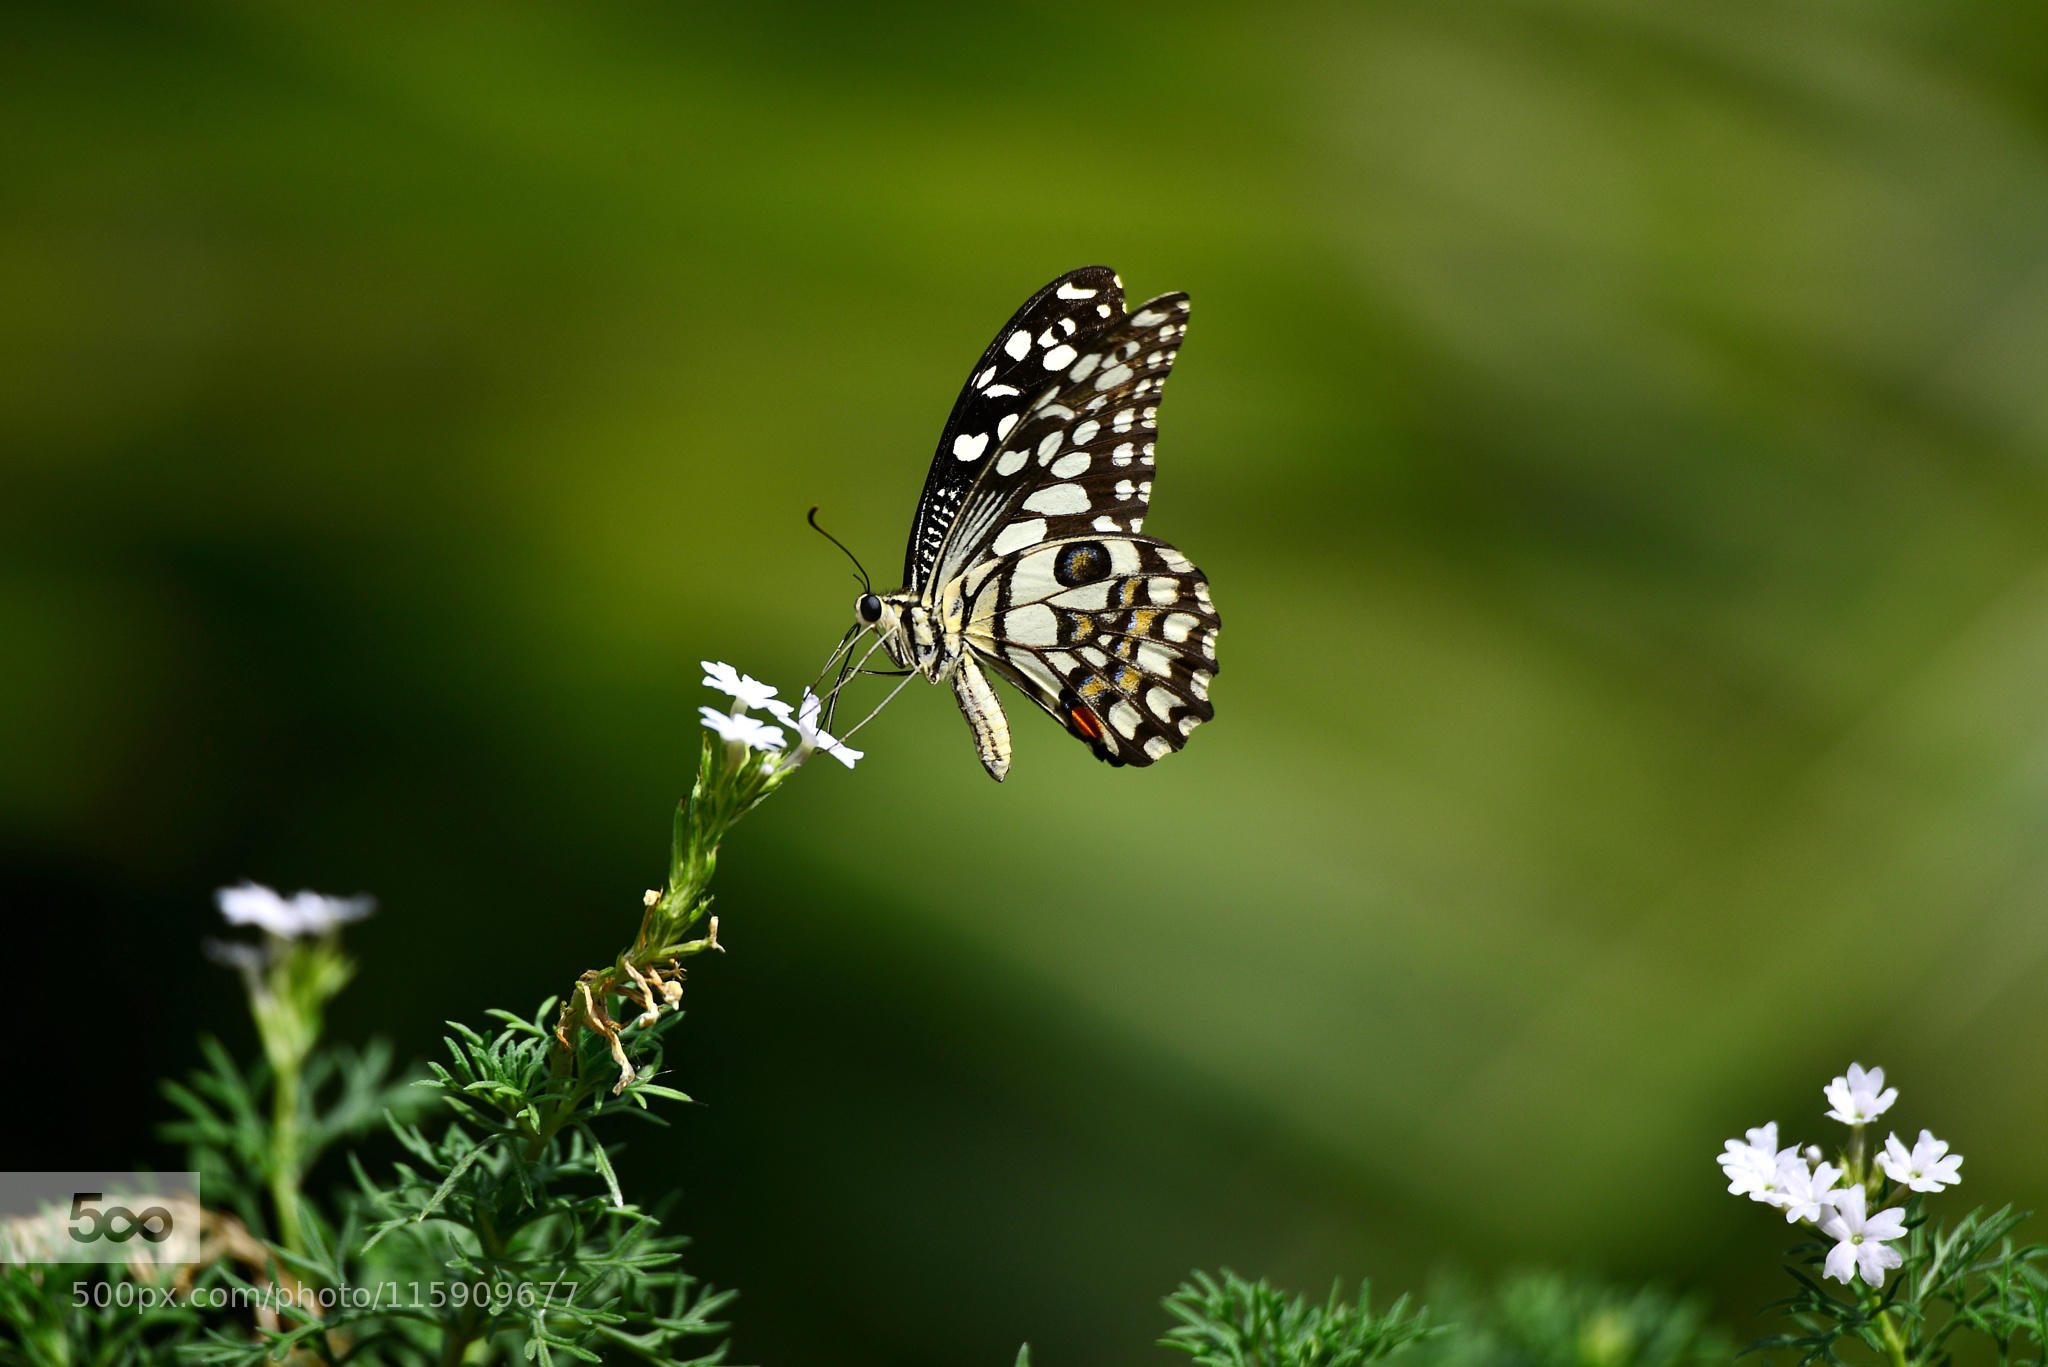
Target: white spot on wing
[[1060, 357], [1049, 447], [1085, 433], [1125, 719], [1011, 462], [1102, 309], [1018, 344], [984, 377], [1112, 377], [1002, 391], [1058, 500], [1107, 524], [1069, 465], [1146, 318], [1085, 367], [1158, 746], [1074, 292], [1163, 592], [1088, 598], [1154, 658], [1177, 625], [1018, 535], [1032, 625], [1003, 428], [970, 447]]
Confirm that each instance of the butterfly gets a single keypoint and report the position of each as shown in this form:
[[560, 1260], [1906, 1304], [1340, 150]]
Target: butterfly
[[1025, 559]]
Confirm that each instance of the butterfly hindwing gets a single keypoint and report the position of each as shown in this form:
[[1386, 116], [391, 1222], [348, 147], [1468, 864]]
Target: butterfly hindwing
[[1010, 375], [1114, 636]]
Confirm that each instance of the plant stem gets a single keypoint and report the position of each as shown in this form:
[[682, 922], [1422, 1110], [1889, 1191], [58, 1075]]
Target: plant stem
[[1894, 1345], [284, 1157]]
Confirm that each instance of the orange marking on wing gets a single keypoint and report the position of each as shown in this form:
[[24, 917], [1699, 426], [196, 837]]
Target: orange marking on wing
[[1086, 722]]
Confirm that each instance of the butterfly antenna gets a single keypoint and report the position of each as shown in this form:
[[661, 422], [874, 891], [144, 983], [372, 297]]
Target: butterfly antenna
[[812, 518]]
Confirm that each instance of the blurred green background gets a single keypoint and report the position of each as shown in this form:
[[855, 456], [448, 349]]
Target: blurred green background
[[1615, 433]]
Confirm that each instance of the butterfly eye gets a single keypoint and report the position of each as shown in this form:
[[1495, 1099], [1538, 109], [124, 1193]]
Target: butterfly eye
[[869, 609]]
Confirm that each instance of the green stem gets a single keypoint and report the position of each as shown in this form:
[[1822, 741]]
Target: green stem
[[284, 1157], [1894, 1344]]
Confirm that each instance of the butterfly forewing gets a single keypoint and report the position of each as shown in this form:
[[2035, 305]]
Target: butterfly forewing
[[1025, 357], [1079, 460], [1115, 636]]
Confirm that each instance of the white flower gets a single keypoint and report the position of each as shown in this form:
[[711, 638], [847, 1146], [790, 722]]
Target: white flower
[[811, 736], [1929, 1167], [1861, 1245], [745, 688], [1751, 1163], [1857, 1099], [1805, 1193], [306, 913], [750, 731]]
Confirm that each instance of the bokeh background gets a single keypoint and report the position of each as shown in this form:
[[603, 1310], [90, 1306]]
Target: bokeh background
[[1615, 432]]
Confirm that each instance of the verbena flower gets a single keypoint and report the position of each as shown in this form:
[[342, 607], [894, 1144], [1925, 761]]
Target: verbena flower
[[1859, 1097], [1751, 1163], [811, 736], [1928, 1166], [303, 914], [1806, 1192], [748, 731], [745, 689], [1861, 1245]]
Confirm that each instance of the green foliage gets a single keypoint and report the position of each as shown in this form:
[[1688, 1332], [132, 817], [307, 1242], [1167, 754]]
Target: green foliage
[[1542, 1319], [504, 1224], [1966, 1279], [65, 1315], [1226, 1321], [344, 1093]]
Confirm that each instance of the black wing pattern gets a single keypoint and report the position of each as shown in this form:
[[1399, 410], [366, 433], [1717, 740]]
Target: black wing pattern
[[1072, 382], [1078, 458], [1115, 636], [1003, 383]]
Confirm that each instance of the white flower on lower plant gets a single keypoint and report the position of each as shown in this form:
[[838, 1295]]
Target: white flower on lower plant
[[1862, 1244], [1751, 1163], [1927, 1166], [810, 735], [301, 914], [1805, 1193], [745, 689], [1859, 1097], [748, 731]]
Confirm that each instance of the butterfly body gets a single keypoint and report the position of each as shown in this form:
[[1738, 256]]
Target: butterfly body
[[1025, 558]]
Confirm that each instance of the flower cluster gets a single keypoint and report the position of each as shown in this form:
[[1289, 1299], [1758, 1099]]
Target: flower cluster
[[301, 915], [1833, 1198], [736, 727]]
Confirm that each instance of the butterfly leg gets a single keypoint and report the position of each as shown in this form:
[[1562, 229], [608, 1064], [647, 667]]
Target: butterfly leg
[[985, 717]]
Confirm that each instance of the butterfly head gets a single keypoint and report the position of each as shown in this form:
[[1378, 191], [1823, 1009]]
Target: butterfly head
[[904, 627]]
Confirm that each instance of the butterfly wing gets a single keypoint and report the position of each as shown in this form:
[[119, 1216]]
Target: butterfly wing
[[1004, 382], [1052, 434], [1114, 636]]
